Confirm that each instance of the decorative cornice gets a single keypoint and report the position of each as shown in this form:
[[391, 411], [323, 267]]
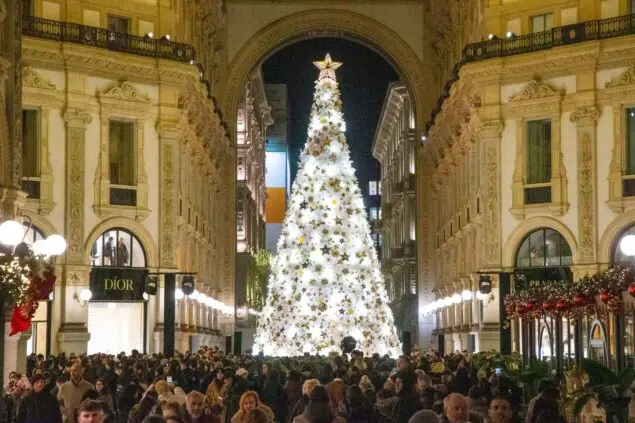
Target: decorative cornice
[[626, 78], [126, 91], [592, 113], [30, 78], [534, 90]]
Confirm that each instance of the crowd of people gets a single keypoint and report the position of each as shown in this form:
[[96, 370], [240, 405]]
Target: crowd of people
[[209, 386]]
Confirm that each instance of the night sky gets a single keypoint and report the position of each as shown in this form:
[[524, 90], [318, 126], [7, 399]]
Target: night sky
[[363, 81]]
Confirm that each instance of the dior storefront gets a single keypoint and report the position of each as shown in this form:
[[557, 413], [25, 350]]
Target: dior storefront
[[118, 309]]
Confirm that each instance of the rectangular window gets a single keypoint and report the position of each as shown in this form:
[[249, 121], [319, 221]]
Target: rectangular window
[[373, 213], [118, 24], [122, 153], [629, 168], [538, 151], [30, 143], [379, 183], [542, 23], [372, 188]]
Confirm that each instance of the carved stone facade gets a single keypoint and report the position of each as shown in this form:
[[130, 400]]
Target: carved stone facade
[[394, 146], [476, 156], [182, 157]]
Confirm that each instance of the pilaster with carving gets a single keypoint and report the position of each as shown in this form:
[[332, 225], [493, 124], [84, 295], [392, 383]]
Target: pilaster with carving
[[585, 119], [491, 137], [168, 139], [76, 122]]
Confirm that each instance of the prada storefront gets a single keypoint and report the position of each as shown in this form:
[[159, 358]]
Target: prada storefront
[[117, 312], [543, 257]]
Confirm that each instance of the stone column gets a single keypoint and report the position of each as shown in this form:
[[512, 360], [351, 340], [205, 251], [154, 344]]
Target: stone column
[[490, 137], [73, 333], [585, 119]]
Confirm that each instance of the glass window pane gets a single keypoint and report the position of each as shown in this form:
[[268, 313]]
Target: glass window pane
[[522, 257], [552, 247], [537, 248], [538, 23], [121, 152], [97, 252], [538, 151], [110, 248], [124, 246], [630, 142], [618, 254], [30, 143], [548, 21], [138, 256]]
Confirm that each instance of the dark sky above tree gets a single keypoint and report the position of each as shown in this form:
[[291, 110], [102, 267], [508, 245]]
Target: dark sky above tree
[[363, 80]]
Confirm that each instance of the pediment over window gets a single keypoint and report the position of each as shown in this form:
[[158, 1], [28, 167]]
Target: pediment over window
[[626, 78], [126, 91], [31, 78], [534, 90]]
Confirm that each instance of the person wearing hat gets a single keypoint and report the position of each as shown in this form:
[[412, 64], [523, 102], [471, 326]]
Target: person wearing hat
[[39, 405], [240, 386]]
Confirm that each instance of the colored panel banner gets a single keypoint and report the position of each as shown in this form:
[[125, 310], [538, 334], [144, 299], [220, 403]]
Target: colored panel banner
[[276, 205]]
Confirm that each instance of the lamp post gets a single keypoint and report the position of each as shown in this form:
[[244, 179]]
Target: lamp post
[[12, 244]]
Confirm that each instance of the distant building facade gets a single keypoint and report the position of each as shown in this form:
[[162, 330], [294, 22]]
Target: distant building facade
[[394, 146]]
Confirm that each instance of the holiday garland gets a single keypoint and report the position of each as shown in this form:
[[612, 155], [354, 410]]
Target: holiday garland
[[25, 280], [586, 296]]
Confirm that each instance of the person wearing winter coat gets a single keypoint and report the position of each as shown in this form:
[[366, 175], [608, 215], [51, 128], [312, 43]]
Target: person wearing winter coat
[[301, 404], [293, 389], [318, 409], [240, 386], [356, 407], [273, 395], [39, 405]]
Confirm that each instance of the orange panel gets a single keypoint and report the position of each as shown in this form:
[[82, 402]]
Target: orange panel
[[276, 205]]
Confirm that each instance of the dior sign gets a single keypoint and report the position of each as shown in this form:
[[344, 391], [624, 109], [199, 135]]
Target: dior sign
[[117, 284]]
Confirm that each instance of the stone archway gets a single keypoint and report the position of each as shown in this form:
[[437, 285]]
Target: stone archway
[[327, 23]]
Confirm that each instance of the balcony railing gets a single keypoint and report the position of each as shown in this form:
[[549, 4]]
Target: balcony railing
[[103, 38], [522, 44]]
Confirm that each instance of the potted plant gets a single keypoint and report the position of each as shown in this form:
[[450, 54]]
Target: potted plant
[[611, 391]]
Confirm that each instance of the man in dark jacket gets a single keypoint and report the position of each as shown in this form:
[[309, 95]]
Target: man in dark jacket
[[240, 386], [39, 406]]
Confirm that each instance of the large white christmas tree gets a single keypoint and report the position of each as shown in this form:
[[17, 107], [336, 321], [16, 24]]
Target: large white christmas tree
[[325, 282]]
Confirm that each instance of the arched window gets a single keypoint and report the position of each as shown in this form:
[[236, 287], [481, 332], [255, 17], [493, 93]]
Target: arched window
[[618, 255], [32, 234], [117, 247], [543, 247]]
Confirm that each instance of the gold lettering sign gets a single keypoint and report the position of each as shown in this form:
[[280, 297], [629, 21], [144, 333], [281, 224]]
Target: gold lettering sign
[[116, 284]]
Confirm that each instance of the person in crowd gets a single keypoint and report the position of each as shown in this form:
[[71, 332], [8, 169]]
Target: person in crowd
[[501, 410], [273, 394], [90, 412], [195, 410], [70, 393], [260, 379], [547, 398], [357, 409], [367, 389], [39, 406], [337, 392], [215, 394], [239, 387], [174, 411], [455, 409], [302, 402], [104, 394], [407, 401], [318, 409], [424, 416], [293, 389], [250, 401]]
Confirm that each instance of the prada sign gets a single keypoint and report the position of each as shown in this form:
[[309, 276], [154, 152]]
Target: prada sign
[[117, 283], [541, 276]]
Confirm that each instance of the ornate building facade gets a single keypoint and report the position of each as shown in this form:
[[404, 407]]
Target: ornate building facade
[[525, 168], [124, 154], [395, 148], [254, 117]]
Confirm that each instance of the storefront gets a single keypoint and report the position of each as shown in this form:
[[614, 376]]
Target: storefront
[[544, 257], [117, 311]]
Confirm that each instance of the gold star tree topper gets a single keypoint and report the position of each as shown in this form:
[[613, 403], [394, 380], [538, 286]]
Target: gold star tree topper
[[327, 67]]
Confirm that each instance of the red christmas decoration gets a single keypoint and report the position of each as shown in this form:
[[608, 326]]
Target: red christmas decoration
[[548, 306], [520, 309], [562, 305], [21, 317], [604, 296], [530, 305], [631, 289], [579, 300]]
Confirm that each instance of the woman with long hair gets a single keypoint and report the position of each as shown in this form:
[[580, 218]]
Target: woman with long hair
[[318, 409], [250, 401]]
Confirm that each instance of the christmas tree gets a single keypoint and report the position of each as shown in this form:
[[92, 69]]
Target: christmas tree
[[325, 282]]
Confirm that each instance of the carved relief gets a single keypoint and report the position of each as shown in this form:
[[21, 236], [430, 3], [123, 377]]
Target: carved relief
[[30, 78], [534, 90], [126, 91], [76, 121], [626, 78]]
